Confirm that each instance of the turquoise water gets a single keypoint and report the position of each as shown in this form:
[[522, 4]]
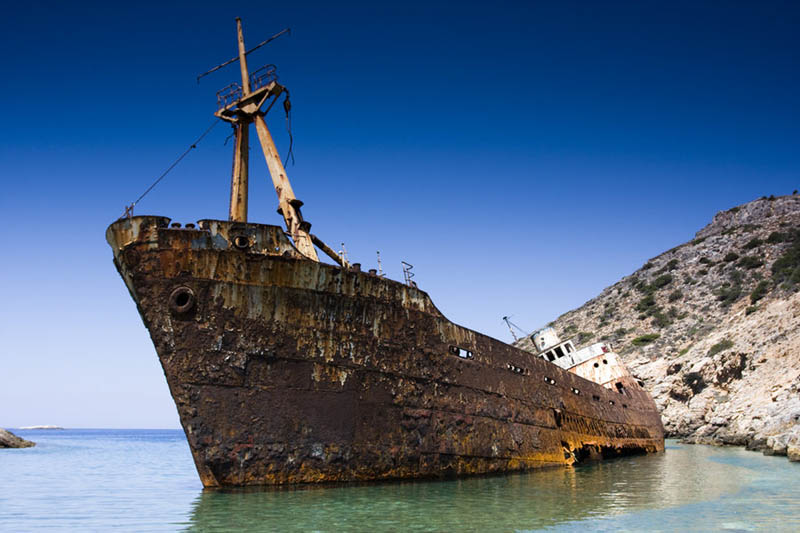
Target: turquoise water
[[144, 480]]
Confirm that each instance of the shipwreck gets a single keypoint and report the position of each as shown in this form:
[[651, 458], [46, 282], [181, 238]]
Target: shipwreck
[[286, 369]]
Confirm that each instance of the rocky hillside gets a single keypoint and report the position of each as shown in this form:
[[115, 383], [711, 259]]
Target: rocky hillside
[[713, 328]]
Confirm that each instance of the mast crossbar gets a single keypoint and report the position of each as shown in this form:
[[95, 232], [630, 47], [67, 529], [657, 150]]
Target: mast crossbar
[[256, 47]]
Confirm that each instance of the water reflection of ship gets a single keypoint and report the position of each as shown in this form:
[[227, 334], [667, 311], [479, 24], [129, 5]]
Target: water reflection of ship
[[496, 503]]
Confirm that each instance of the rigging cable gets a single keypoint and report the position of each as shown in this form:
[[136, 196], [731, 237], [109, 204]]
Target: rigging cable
[[287, 106], [129, 209]]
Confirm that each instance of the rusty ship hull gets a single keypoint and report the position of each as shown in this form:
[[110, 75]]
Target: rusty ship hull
[[286, 370]]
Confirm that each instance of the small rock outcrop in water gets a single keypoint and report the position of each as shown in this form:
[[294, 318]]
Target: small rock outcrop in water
[[9, 440], [713, 329]]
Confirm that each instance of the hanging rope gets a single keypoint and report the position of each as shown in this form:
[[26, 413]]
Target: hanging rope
[[287, 107], [129, 209]]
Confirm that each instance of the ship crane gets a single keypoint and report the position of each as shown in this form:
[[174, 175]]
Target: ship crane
[[507, 320], [242, 105]]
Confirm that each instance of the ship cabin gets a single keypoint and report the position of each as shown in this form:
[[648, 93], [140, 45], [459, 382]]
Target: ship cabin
[[550, 348], [563, 353], [596, 362]]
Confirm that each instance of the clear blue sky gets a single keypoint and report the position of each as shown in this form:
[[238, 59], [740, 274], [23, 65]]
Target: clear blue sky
[[521, 156]]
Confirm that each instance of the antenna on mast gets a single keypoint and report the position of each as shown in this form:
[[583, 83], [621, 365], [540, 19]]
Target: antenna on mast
[[380, 270]]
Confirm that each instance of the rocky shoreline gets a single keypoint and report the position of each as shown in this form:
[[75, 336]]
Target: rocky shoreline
[[9, 440], [713, 329]]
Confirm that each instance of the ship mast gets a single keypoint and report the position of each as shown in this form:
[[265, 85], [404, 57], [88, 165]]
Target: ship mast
[[241, 105]]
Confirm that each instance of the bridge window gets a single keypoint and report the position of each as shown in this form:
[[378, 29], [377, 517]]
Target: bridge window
[[559, 352]]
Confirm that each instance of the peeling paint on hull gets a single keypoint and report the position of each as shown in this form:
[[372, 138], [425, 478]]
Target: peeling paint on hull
[[286, 370]]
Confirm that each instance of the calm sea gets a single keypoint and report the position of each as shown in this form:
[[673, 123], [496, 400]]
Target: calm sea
[[144, 480]]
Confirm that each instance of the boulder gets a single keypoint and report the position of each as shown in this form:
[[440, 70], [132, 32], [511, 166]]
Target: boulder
[[9, 440], [793, 453]]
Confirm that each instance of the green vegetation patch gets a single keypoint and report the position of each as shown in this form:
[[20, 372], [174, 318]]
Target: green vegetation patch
[[661, 320], [584, 336], [646, 303], [647, 338], [755, 242], [749, 262], [675, 295], [677, 315], [759, 291], [730, 256], [671, 265], [720, 347], [786, 269], [661, 281], [728, 295], [641, 285], [648, 289], [730, 292], [776, 237]]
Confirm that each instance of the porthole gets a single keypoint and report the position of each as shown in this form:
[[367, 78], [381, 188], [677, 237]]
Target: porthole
[[182, 300], [460, 352], [131, 257], [241, 242]]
